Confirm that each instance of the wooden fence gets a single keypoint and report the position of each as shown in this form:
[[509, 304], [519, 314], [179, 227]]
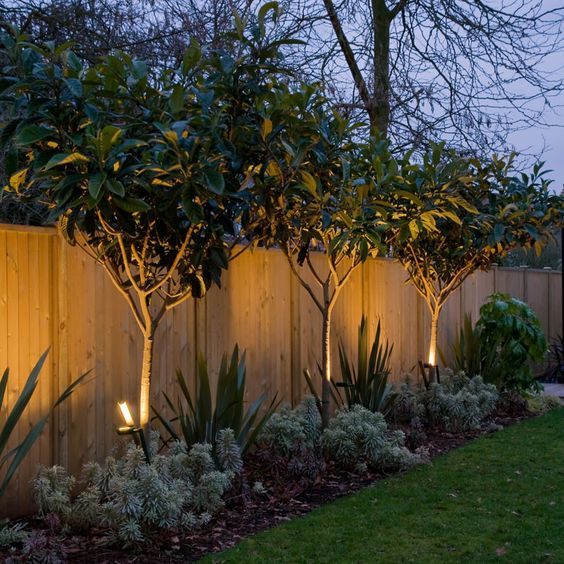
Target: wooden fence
[[53, 295]]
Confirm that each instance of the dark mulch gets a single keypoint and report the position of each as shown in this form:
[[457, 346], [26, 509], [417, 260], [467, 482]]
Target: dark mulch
[[248, 512]]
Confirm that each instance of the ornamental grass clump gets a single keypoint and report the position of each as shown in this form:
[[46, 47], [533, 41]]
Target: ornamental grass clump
[[360, 439], [131, 498]]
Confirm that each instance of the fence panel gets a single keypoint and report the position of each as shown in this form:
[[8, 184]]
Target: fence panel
[[55, 295]]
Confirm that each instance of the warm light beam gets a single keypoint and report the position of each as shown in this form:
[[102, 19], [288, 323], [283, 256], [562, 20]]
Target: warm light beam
[[126, 414]]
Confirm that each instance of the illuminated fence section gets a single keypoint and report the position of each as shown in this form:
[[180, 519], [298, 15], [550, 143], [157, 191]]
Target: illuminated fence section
[[54, 295]]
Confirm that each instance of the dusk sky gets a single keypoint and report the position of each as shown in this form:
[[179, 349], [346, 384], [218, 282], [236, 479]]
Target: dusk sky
[[533, 140], [552, 139]]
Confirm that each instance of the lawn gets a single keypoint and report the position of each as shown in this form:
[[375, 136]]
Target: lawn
[[499, 498]]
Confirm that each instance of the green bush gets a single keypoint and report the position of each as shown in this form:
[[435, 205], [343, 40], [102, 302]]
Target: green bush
[[12, 533], [198, 419], [408, 406], [511, 336], [357, 438], [457, 404], [181, 489]]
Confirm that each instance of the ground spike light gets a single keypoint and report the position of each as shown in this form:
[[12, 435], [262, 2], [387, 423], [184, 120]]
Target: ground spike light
[[130, 429]]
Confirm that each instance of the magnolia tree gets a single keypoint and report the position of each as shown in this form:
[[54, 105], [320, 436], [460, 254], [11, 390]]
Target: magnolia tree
[[314, 195], [143, 172], [458, 215]]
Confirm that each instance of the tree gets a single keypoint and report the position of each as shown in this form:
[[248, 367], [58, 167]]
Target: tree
[[315, 196], [467, 72], [144, 173], [158, 32], [464, 71], [460, 215]]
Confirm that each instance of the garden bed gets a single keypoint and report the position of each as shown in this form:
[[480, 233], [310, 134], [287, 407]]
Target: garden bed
[[248, 512]]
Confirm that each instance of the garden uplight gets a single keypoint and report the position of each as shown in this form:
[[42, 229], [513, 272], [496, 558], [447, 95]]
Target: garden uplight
[[131, 429], [126, 414]]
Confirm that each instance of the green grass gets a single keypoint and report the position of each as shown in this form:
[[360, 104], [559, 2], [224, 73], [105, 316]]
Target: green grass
[[499, 498]]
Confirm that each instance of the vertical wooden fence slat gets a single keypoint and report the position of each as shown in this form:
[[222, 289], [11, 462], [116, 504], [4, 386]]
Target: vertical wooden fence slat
[[556, 308], [54, 295]]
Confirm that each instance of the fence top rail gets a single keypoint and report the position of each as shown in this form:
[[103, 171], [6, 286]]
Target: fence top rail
[[42, 230], [52, 230]]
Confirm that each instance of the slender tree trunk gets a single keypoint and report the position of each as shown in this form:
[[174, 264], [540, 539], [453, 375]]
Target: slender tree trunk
[[326, 367], [432, 359], [146, 373]]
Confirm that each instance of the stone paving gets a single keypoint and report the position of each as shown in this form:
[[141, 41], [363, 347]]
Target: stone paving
[[554, 390]]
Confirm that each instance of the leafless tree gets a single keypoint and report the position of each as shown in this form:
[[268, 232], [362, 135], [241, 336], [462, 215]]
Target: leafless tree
[[465, 71], [157, 31]]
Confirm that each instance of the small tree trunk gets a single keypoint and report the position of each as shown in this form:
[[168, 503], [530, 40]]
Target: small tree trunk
[[326, 368], [432, 359], [146, 372]]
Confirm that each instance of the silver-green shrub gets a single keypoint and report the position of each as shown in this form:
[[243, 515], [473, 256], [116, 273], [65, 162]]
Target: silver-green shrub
[[457, 404], [181, 489], [287, 429], [358, 438], [541, 403], [227, 451], [291, 440], [408, 407], [12, 533]]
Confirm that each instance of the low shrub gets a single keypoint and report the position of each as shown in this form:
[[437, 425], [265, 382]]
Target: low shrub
[[12, 533], [181, 489], [290, 441], [541, 403], [457, 404], [511, 404], [358, 438], [408, 406], [460, 403]]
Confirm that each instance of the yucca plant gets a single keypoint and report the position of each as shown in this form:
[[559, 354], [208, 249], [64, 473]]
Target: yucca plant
[[198, 419], [467, 349], [367, 385], [14, 457]]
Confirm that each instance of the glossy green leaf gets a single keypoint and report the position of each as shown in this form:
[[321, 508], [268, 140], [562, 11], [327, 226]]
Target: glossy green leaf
[[65, 159]]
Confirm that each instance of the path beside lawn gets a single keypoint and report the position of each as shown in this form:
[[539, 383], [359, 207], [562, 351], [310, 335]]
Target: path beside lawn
[[499, 498]]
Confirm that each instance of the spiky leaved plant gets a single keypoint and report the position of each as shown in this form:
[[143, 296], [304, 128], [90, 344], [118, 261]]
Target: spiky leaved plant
[[199, 419], [367, 383]]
